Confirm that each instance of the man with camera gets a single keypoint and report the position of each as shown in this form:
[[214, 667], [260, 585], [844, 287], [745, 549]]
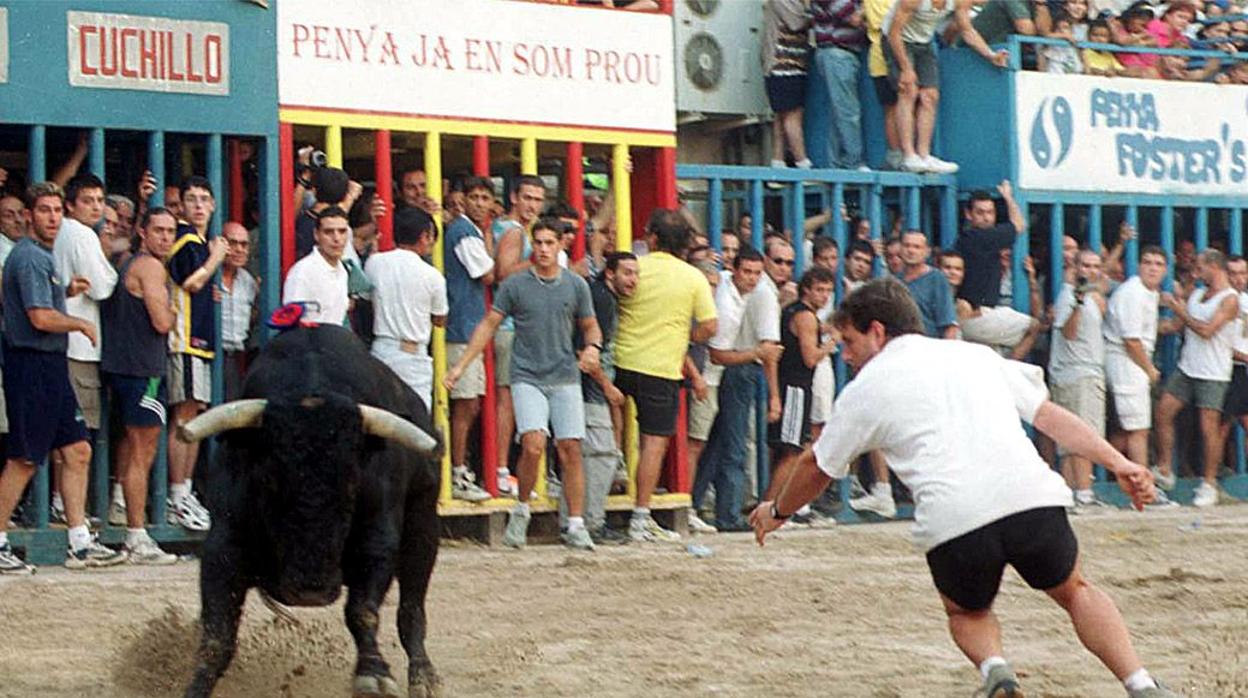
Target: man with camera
[[1077, 365]]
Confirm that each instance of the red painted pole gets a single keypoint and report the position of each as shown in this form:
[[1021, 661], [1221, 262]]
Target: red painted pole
[[385, 188], [489, 428], [286, 177], [238, 203], [576, 194]]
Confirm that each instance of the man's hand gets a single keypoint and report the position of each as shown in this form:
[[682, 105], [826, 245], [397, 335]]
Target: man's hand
[[1153, 375], [589, 359], [908, 81], [89, 330], [354, 189], [1126, 232], [1137, 482], [1168, 300], [77, 285], [1004, 188], [763, 522], [614, 395], [774, 409], [768, 351], [701, 390], [451, 377], [147, 185], [1000, 59], [217, 248], [378, 207]]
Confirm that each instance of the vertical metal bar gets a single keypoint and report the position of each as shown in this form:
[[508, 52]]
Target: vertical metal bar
[[285, 194], [1202, 228], [948, 217], [876, 215], [799, 229], [488, 416], [441, 399], [333, 146], [95, 157], [100, 452], [621, 186], [38, 153], [238, 199], [383, 174], [158, 483], [156, 165], [914, 204], [1057, 230], [1132, 251], [1169, 345], [528, 156], [1236, 232], [41, 493], [575, 181], [270, 193], [756, 214], [1095, 234], [216, 177], [838, 221], [715, 213]]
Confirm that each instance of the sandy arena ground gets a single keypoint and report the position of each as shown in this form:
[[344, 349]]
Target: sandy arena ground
[[842, 612]]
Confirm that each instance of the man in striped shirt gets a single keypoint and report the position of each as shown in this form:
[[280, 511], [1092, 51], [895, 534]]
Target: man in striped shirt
[[840, 39]]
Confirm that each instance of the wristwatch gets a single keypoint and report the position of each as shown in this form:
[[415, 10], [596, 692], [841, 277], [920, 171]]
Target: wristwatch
[[775, 513]]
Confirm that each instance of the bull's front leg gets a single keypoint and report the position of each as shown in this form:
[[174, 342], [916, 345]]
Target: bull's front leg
[[222, 590], [418, 552], [372, 673]]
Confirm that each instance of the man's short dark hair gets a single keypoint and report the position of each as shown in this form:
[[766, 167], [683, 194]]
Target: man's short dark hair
[[154, 211], [979, 195], [885, 301], [81, 183], [562, 209], [195, 182], [670, 230], [747, 254], [614, 258], [1154, 249], [411, 168], [822, 243], [38, 190], [861, 246], [527, 180], [470, 183], [410, 223], [815, 275], [331, 185], [332, 212], [1236, 258], [950, 253], [549, 223]]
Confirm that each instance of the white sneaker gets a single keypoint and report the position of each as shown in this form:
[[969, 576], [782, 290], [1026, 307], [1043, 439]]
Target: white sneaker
[[649, 530], [804, 164], [147, 552], [117, 513], [779, 164], [1161, 502], [935, 165], [56, 512], [697, 525], [508, 485], [188, 513], [1165, 482], [517, 531], [877, 501], [863, 168], [93, 556], [1206, 495], [464, 487], [10, 563], [913, 163]]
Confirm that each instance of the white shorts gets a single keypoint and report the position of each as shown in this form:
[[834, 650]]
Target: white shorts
[[823, 392], [999, 326], [190, 379], [414, 369], [1086, 399], [1128, 384]]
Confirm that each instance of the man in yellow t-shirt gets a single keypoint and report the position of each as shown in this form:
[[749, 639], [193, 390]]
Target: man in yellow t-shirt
[[653, 336], [873, 14]]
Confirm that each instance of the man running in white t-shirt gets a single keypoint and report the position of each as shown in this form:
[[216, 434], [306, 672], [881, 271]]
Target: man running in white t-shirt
[[984, 497]]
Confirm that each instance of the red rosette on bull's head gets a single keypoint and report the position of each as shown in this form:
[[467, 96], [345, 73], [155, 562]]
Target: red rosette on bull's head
[[286, 317]]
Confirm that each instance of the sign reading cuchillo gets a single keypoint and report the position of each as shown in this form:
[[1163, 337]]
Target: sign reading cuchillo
[[156, 54]]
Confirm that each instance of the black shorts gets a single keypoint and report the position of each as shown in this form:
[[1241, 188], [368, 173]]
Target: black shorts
[[657, 399], [1236, 403], [884, 91], [43, 412], [785, 92], [1039, 543], [792, 430], [141, 401]]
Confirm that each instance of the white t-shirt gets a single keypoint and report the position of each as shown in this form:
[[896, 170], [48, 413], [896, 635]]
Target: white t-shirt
[[1130, 314], [6, 246], [946, 416], [407, 291], [743, 321], [236, 305], [78, 253], [313, 279], [1072, 360], [1207, 359]]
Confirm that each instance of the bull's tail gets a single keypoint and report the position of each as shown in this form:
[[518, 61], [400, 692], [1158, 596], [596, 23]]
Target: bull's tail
[[278, 610]]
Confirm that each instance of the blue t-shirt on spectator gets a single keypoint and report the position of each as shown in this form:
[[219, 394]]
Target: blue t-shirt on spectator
[[30, 282], [934, 296], [465, 295]]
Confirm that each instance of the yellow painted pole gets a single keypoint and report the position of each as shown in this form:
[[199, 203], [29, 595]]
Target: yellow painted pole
[[528, 156], [441, 400], [621, 190], [333, 145]]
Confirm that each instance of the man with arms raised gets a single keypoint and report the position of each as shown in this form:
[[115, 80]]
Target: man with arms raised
[[984, 496]]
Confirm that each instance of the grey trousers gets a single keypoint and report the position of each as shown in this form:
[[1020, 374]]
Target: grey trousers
[[600, 458]]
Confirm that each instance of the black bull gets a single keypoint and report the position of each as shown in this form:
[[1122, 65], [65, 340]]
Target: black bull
[[307, 501]]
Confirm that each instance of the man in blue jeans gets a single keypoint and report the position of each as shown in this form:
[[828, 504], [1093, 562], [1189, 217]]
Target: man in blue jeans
[[840, 38]]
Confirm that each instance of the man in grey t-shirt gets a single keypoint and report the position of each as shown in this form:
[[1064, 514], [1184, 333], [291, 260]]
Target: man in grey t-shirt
[[546, 303]]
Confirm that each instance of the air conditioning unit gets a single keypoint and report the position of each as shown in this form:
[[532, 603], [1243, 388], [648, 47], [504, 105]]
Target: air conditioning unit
[[718, 66]]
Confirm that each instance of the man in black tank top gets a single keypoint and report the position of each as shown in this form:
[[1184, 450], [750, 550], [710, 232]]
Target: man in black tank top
[[799, 335], [139, 315]]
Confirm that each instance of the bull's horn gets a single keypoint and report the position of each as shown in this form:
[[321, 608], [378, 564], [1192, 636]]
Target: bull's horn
[[388, 425], [238, 414]]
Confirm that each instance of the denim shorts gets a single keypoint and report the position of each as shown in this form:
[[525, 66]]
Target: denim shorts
[[543, 407]]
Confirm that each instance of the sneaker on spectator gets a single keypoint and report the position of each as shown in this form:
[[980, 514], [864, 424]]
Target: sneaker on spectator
[[93, 556], [56, 512], [147, 552], [605, 535], [10, 563], [1157, 691], [188, 513], [804, 164], [1002, 682], [1161, 502], [935, 165], [893, 160], [649, 530], [779, 164], [117, 513], [1165, 482], [1089, 505], [508, 484], [863, 168], [914, 163], [578, 539], [697, 525], [878, 501], [1206, 495], [517, 531], [464, 486]]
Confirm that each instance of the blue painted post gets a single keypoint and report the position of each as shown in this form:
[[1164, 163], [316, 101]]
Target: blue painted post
[[270, 223], [1132, 252], [41, 493], [1202, 228], [756, 214], [761, 451], [825, 204], [715, 213], [926, 218], [1236, 235], [1057, 229], [875, 213], [216, 177], [787, 205], [948, 217], [95, 155], [1095, 236], [38, 153], [156, 164], [1018, 275], [1169, 346], [799, 229], [914, 205]]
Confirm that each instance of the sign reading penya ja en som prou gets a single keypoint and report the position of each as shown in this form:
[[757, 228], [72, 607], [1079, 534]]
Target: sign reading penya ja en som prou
[[156, 54], [479, 59], [1083, 133]]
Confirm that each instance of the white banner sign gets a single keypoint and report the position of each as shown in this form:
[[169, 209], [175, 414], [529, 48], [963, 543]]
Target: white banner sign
[[156, 54], [495, 60], [4, 45], [1083, 133]]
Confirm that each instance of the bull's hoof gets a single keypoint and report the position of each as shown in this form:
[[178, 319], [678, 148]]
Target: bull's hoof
[[425, 686], [375, 687]]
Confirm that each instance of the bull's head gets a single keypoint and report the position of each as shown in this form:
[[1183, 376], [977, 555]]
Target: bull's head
[[307, 462]]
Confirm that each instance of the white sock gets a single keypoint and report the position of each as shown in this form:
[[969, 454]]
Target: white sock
[[134, 536], [119, 494], [4, 538], [882, 489], [521, 508], [79, 537], [641, 514], [575, 523], [804, 511], [178, 490], [57, 502], [989, 663], [1139, 680], [1084, 496]]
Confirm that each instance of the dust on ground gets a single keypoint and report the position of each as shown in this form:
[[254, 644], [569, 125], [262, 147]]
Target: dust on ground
[[841, 612]]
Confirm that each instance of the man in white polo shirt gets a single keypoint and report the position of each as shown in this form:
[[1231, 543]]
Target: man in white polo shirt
[[320, 279], [984, 496]]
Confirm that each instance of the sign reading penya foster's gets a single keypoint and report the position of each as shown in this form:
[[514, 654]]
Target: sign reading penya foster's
[[156, 54], [1083, 133], [479, 59]]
